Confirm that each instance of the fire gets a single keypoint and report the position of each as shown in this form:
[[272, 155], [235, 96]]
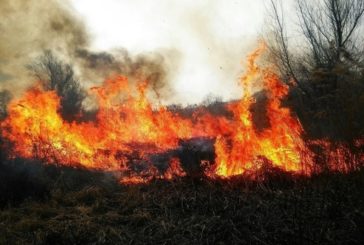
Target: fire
[[174, 170], [37, 130], [280, 144], [128, 130]]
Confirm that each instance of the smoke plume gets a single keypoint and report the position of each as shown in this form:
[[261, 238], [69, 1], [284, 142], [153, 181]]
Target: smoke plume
[[30, 29]]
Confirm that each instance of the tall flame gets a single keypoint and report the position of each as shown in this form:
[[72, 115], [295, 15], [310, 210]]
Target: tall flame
[[128, 126], [280, 144]]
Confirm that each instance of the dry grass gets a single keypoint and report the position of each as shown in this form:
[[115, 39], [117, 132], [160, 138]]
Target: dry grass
[[325, 209]]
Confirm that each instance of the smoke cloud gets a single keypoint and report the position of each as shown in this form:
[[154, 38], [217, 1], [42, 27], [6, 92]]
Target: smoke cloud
[[31, 28], [28, 28], [212, 38], [186, 50], [150, 67]]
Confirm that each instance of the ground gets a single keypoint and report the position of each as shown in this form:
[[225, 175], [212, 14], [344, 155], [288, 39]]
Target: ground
[[81, 207]]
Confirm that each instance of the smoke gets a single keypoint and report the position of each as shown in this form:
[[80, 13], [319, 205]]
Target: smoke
[[197, 46], [149, 67], [30, 28], [212, 38]]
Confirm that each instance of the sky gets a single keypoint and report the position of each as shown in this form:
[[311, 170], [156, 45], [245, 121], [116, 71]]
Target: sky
[[205, 42]]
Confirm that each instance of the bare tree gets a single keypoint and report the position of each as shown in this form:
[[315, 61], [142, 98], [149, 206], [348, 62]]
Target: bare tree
[[329, 31], [327, 63], [5, 97], [278, 44], [58, 76], [330, 28]]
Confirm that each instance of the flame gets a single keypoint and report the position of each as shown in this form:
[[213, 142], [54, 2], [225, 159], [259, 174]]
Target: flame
[[128, 129], [280, 144], [37, 130], [174, 170]]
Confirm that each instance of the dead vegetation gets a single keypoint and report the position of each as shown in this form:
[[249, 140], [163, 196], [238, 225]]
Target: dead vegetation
[[83, 207]]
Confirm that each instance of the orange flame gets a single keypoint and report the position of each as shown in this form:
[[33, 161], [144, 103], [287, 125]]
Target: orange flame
[[281, 144], [129, 127], [38, 130]]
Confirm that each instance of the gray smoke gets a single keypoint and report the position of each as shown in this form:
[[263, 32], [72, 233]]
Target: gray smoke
[[151, 67], [30, 28]]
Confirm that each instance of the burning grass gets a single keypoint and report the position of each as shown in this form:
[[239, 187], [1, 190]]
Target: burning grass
[[137, 174], [142, 141], [129, 128], [78, 206]]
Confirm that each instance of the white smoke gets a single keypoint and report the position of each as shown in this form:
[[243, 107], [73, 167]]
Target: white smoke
[[205, 41]]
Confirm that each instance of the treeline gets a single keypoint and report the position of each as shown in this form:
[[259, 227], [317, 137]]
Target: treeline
[[318, 49]]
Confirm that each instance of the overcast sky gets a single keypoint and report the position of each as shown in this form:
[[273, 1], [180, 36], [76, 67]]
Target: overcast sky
[[207, 39]]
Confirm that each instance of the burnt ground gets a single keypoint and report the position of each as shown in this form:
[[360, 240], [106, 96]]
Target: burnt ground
[[56, 205]]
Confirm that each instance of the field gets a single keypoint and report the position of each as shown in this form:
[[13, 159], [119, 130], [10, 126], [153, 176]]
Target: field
[[58, 205]]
